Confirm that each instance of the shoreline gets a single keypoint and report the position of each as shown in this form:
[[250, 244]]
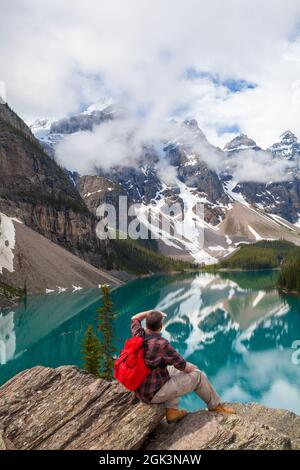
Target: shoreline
[[126, 278], [239, 270], [288, 292]]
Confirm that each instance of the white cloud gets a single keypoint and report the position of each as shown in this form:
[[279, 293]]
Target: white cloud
[[122, 141], [56, 55], [166, 173], [111, 143], [251, 165], [117, 142], [266, 111]]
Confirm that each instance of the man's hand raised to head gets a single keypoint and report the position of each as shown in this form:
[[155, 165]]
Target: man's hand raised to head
[[164, 315], [142, 315]]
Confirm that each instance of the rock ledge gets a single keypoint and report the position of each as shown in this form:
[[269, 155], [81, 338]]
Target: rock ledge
[[66, 408]]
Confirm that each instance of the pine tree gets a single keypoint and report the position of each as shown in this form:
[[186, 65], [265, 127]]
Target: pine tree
[[91, 352], [289, 277], [106, 316]]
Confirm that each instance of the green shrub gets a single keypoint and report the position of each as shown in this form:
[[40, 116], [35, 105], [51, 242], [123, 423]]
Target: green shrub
[[91, 352], [289, 278], [134, 257], [106, 318], [261, 255]]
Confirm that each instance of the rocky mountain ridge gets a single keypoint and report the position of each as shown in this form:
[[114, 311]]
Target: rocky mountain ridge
[[183, 169], [241, 142], [51, 131], [288, 146], [38, 192]]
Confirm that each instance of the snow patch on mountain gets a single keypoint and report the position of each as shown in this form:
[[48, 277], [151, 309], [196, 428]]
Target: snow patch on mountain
[[231, 187], [283, 222], [7, 242], [7, 337], [42, 130], [186, 231], [255, 234], [100, 105]]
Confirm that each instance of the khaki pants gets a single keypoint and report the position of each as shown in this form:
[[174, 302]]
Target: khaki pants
[[181, 383]]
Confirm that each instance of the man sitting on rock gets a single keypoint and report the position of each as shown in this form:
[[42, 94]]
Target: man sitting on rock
[[171, 376]]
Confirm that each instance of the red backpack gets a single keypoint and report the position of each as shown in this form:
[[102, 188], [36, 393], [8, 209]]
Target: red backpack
[[130, 368]]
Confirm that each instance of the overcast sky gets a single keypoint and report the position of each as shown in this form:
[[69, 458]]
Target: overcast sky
[[234, 65]]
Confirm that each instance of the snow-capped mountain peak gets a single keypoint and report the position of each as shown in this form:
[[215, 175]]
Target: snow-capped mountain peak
[[41, 125], [99, 106], [193, 130], [241, 142], [192, 123], [288, 146], [51, 131], [288, 137]]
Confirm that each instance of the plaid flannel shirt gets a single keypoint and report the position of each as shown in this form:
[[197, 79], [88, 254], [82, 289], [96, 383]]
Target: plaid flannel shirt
[[158, 354]]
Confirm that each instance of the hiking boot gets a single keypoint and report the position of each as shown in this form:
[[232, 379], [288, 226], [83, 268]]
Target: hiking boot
[[222, 409], [173, 415]]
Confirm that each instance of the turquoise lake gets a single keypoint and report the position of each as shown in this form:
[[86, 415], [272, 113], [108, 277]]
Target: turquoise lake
[[235, 327]]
